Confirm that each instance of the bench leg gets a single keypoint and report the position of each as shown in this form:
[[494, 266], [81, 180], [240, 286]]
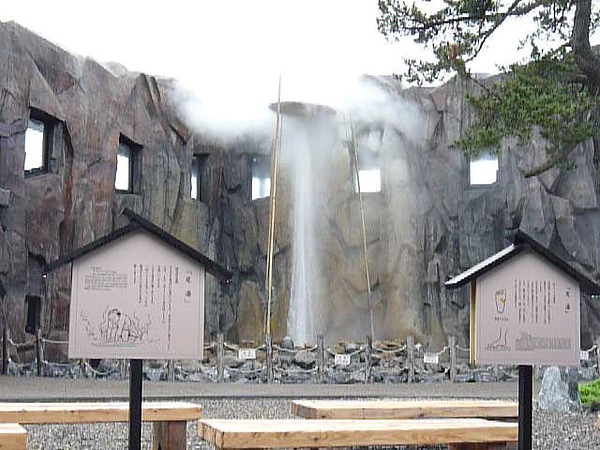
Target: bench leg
[[169, 435], [483, 446]]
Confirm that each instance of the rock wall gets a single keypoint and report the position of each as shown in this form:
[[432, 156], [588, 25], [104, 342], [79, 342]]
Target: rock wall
[[426, 224]]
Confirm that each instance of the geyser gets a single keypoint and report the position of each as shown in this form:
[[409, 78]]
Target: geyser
[[307, 138]]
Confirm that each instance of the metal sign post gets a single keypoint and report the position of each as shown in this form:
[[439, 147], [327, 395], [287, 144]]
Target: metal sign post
[[135, 404], [525, 406]]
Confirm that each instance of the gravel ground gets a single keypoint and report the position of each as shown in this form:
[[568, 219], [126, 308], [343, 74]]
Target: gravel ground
[[551, 431]]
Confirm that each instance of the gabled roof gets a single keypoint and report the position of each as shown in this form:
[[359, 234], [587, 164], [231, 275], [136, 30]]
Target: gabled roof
[[137, 222], [521, 243]]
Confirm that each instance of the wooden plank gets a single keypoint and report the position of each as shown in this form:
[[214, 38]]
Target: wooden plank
[[89, 412], [404, 409], [231, 434], [12, 437]]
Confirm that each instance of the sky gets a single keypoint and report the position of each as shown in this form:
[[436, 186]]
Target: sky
[[215, 47], [215, 42], [208, 42]]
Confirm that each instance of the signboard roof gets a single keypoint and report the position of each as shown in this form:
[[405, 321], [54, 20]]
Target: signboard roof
[[521, 243], [137, 222]]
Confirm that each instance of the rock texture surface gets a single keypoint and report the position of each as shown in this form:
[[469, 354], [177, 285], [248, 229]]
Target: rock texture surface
[[426, 224]]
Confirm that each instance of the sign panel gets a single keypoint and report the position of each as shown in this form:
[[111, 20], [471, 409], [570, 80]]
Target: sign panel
[[136, 297], [431, 358], [527, 312], [341, 359], [247, 353]]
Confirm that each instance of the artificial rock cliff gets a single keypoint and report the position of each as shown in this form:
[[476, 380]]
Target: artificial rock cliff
[[426, 224]]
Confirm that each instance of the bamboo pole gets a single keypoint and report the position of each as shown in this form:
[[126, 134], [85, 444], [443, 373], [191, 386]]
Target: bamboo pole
[[272, 205], [363, 228]]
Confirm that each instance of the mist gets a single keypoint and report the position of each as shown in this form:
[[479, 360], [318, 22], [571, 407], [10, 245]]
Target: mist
[[226, 112], [317, 116]]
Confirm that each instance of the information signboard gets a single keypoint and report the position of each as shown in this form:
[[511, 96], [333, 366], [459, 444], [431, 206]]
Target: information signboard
[[136, 298], [527, 312]]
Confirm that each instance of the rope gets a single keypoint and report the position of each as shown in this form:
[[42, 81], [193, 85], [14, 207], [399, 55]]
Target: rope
[[51, 341], [187, 372], [303, 371], [21, 344], [356, 352], [246, 372], [97, 372], [285, 350], [57, 364], [398, 350], [441, 352], [237, 348]]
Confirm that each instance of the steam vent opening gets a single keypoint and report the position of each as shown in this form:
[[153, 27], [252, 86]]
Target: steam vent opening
[[301, 109]]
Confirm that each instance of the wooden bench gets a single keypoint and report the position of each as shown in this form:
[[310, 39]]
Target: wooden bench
[[405, 409], [169, 418], [459, 434], [12, 437]]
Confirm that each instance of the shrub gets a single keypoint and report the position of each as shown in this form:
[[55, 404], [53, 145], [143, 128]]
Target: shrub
[[589, 393]]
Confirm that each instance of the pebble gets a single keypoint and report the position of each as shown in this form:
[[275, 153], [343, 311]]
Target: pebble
[[551, 431]]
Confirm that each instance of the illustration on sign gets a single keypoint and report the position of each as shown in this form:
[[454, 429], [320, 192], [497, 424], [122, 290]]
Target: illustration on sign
[[500, 344], [116, 328]]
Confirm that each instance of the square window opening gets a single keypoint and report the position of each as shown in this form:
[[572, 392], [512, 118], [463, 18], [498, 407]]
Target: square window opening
[[369, 174], [38, 139], [127, 173], [261, 177], [483, 169], [369, 179], [33, 304], [197, 177]]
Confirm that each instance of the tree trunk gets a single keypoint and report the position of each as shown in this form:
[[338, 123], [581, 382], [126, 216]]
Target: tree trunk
[[587, 61]]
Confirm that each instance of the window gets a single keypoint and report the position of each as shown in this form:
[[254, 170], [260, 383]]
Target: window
[[32, 323], [370, 180], [38, 139], [483, 169], [197, 176], [127, 175], [369, 174], [261, 177]]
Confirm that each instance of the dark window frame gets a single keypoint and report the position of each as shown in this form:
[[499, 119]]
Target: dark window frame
[[260, 165], [198, 170], [48, 124], [33, 316], [134, 165]]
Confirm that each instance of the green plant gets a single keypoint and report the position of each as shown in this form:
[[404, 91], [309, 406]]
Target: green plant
[[589, 393]]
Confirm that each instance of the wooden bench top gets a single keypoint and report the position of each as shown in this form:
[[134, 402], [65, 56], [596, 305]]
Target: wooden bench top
[[83, 412], [237, 434], [404, 409], [12, 437]]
